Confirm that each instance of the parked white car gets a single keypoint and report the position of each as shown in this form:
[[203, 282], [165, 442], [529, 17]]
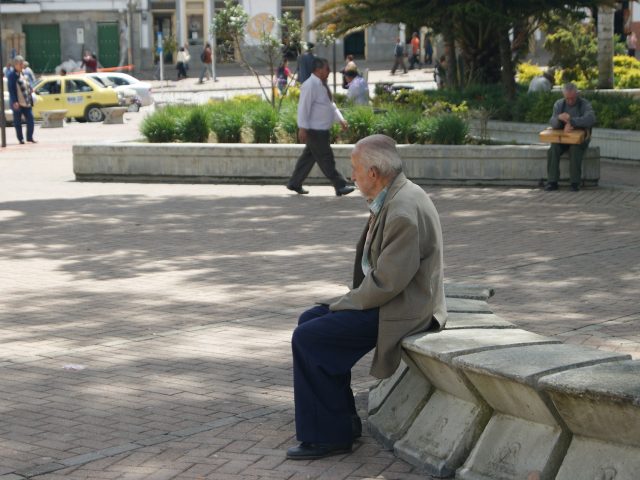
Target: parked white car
[[143, 89], [130, 97]]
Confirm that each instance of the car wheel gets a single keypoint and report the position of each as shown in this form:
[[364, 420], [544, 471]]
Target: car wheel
[[134, 107], [93, 114]]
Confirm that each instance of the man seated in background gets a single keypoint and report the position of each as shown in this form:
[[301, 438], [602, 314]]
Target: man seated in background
[[357, 88]]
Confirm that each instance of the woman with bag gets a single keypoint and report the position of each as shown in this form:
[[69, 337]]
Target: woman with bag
[[182, 62]]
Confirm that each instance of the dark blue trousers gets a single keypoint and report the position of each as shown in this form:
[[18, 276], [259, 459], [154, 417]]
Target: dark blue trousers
[[17, 122], [326, 345]]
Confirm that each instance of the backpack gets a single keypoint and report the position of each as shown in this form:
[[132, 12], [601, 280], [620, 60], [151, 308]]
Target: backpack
[[203, 56]]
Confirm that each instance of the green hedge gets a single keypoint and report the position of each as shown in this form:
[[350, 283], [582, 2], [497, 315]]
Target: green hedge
[[248, 119]]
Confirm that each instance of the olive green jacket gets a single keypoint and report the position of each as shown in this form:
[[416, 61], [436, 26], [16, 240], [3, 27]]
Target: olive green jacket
[[406, 278]]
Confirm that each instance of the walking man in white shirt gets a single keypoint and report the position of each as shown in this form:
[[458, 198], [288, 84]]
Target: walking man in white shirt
[[316, 114]]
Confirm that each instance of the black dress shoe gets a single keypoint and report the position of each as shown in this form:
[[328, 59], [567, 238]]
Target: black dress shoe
[[21, 142], [313, 451], [346, 190], [298, 190], [551, 186], [32, 141], [575, 187]]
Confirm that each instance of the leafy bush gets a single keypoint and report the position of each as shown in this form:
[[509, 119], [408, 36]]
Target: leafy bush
[[360, 120], [194, 126], [160, 127], [527, 72], [262, 121], [226, 121], [397, 124], [287, 126], [446, 129]]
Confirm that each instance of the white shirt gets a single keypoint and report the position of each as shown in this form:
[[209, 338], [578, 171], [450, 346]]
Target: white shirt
[[316, 111]]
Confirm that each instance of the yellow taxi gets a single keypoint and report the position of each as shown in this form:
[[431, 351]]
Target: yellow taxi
[[82, 97]]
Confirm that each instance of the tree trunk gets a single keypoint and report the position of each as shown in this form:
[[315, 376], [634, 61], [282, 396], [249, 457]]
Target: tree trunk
[[507, 73], [452, 64], [605, 47]]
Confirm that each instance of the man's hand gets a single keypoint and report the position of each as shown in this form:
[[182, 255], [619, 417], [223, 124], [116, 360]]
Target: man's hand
[[564, 117], [16, 106], [344, 125], [302, 135], [568, 127]]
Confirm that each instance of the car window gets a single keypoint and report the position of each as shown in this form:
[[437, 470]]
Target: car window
[[119, 81], [107, 82], [75, 86], [99, 80], [49, 88]]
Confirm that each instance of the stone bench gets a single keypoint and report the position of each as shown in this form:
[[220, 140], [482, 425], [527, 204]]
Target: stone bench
[[525, 434], [446, 429], [53, 118], [114, 115], [601, 407], [485, 400]]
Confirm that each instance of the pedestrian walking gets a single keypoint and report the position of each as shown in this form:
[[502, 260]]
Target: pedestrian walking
[[316, 114], [398, 53], [207, 59], [182, 62]]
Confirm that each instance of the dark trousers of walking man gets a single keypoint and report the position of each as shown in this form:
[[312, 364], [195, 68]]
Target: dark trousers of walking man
[[17, 122], [317, 149]]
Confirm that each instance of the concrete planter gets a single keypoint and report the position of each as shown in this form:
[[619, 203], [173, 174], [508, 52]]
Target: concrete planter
[[614, 144], [515, 165]]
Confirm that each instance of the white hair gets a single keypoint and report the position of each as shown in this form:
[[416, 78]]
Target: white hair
[[379, 151]]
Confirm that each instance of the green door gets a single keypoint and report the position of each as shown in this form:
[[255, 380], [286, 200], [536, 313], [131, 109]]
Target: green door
[[43, 47], [108, 44]]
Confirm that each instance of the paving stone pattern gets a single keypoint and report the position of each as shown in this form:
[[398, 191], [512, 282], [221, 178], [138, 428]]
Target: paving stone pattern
[[144, 329]]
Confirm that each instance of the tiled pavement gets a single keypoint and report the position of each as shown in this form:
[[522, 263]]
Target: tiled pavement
[[144, 329]]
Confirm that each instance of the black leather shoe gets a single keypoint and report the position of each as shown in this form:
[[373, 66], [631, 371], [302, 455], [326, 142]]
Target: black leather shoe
[[346, 190], [551, 186], [21, 142], [32, 141], [356, 426], [298, 190], [575, 187], [313, 451]]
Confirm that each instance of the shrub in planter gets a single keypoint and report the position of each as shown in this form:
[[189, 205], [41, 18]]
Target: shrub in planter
[[527, 72], [535, 107], [160, 127], [226, 121], [445, 129], [194, 126], [287, 126], [360, 120], [397, 124], [262, 120]]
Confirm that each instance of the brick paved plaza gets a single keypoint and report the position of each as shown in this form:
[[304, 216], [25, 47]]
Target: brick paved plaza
[[145, 328]]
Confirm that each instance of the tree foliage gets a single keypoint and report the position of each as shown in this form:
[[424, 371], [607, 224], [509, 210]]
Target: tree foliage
[[491, 36]]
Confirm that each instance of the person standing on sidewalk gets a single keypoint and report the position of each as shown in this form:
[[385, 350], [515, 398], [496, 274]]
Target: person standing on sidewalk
[[182, 62], [569, 113], [316, 114], [398, 290], [207, 57], [415, 51], [20, 99], [398, 52]]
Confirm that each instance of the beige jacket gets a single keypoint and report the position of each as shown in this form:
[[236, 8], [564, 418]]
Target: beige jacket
[[406, 279]]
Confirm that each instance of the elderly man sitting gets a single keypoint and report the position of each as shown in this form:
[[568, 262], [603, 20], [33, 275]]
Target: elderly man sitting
[[569, 113], [397, 291]]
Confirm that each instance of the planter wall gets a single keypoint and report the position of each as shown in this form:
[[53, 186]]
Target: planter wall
[[613, 144], [516, 165]]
